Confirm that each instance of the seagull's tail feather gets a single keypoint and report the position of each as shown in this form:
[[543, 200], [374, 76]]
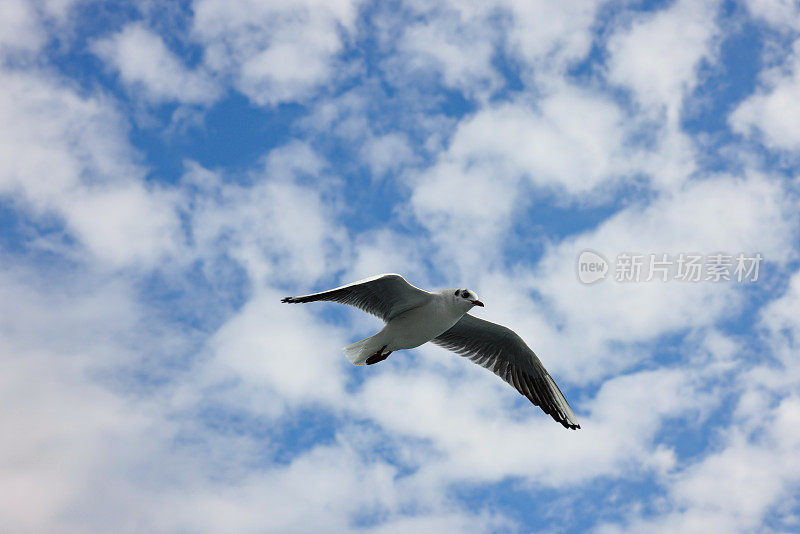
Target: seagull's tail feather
[[359, 351]]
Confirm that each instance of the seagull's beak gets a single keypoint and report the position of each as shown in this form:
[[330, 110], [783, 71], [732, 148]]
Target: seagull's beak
[[477, 303]]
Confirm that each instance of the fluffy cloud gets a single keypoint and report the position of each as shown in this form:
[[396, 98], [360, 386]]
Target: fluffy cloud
[[61, 424], [475, 430], [387, 153], [733, 489], [570, 143], [66, 155], [722, 214], [20, 26], [784, 14], [274, 52], [773, 111], [278, 367], [462, 43], [278, 228], [550, 37], [782, 333], [24, 24], [452, 41], [657, 57], [151, 71]]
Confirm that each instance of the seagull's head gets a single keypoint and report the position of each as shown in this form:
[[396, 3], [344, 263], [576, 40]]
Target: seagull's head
[[467, 298]]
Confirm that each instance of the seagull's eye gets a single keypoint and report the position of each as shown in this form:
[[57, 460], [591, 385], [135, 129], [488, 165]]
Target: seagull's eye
[[465, 294]]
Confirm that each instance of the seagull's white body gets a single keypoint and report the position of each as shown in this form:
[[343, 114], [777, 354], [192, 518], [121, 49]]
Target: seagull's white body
[[414, 327], [414, 317]]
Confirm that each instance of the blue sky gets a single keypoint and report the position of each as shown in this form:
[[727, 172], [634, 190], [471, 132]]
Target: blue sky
[[169, 171]]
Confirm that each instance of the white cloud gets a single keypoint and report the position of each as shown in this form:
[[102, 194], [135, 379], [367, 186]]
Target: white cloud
[[67, 155], [382, 250], [722, 214], [279, 358], [87, 451], [774, 110], [550, 36], [61, 425], [281, 229], [657, 57], [781, 331], [479, 429], [24, 23], [151, 70], [752, 470], [387, 153], [453, 41], [733, 489], [460, 42], [19, 26], [273, 51], [570, 143], [344, 116], [278, 228], [783, 14]]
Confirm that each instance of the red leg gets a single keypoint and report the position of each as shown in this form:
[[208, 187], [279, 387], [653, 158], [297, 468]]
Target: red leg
[[378, 356]]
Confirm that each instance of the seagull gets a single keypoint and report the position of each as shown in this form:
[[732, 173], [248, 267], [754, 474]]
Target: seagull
[[414, 317]]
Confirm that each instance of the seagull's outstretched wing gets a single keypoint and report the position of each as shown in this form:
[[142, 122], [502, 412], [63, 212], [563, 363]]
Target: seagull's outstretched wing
[[385, 295], [503, 352]]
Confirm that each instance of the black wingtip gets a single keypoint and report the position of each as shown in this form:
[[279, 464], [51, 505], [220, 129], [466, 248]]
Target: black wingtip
[[287, 299], [569, 425]]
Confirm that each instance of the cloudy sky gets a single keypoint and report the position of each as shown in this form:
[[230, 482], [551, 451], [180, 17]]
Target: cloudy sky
[[170, 170]]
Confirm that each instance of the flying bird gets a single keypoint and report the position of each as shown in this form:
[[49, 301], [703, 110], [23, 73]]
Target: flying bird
[[414, 317]]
